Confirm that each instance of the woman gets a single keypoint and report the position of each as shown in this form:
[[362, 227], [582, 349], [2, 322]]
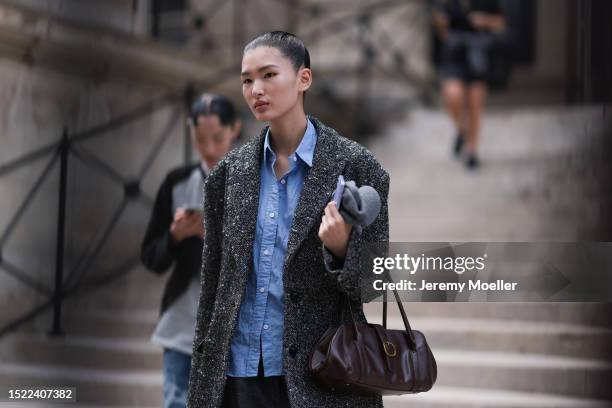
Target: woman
[[269, 287], [465, 27]]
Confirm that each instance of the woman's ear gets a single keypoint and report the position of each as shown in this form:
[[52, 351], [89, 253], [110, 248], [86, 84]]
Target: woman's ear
[[305, 79]]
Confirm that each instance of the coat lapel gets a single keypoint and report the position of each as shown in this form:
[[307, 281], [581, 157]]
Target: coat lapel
[[318, 188], [243, 216]]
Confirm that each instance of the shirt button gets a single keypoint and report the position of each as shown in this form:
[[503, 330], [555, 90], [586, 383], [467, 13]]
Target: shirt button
[[294, 158], [266, 252], [283, 181], [262, 290], [271, 215], [266, 327]]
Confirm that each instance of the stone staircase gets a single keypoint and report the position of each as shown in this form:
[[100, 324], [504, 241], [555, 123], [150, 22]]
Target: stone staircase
[[539, 165], [513, 354], [490, 355], [105, 354]]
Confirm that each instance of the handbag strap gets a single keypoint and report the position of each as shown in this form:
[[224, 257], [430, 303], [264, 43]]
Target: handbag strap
[[401, 309], [384, 314]]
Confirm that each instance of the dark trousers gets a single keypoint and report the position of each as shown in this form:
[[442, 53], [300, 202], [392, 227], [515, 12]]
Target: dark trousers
[[256, 392]]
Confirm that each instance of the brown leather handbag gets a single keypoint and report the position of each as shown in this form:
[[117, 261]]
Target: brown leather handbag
[[366, 358]]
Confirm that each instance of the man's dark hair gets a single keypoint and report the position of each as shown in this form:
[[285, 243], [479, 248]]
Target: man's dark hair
[[212, 104]]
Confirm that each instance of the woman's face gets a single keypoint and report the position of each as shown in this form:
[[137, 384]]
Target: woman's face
[[270, 85]]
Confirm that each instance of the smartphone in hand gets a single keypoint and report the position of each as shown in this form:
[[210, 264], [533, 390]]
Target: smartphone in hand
[[194, 209], [339, 190]]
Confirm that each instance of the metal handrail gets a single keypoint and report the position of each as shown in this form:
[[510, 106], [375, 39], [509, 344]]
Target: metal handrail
[[61, 151]]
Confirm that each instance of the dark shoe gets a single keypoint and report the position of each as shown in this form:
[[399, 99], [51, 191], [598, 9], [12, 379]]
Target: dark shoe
[[472, 162], [459, 142]]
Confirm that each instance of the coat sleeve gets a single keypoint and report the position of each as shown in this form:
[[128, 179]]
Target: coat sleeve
[[157, 250], [352, 275]]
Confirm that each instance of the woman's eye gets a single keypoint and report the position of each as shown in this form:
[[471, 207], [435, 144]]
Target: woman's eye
[[269, 74], [246, 81]]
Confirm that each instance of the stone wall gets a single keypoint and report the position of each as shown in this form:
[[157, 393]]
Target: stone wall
[[41, 97], [39, 102]]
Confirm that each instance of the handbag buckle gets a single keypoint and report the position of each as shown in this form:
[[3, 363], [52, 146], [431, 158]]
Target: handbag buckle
[[387, 345]]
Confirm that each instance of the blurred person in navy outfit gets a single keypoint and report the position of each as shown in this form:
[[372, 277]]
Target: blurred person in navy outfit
[[466, 29], [175, 235]]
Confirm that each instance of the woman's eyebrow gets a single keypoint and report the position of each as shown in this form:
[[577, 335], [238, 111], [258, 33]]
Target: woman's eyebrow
[[260, 69]]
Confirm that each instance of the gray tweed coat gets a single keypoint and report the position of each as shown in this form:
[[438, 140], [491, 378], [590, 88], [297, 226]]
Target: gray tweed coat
[[312, 279]]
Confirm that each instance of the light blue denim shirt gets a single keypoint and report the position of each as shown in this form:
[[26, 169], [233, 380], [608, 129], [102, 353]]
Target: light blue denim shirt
[[262, 311]]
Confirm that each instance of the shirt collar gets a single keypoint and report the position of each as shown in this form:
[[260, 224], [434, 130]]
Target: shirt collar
[[204, 168], [305, 150]]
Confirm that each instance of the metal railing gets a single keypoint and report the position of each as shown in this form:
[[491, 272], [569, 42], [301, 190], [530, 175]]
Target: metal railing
[[59, 154], [373, 43]]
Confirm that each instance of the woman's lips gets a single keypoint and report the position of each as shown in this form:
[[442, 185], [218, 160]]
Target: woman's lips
[[261, 106]]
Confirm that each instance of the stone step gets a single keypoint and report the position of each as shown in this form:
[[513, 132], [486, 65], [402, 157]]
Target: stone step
[[459, 333], [504, 333], [137, 323], [485, 333], [85, 352], [456, 397], [96, 386], [132, 349], [563, 339], [588, 314], [119, 300], [481, 369], [140, 388], [139, 289], [582, 314], [583, 378], [438, 397]]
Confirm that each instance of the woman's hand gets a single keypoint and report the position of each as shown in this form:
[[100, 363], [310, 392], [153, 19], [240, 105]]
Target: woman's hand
[[334, 232]]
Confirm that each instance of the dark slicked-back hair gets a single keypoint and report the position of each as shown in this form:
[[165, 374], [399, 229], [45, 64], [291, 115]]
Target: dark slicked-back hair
[[288, 44]]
